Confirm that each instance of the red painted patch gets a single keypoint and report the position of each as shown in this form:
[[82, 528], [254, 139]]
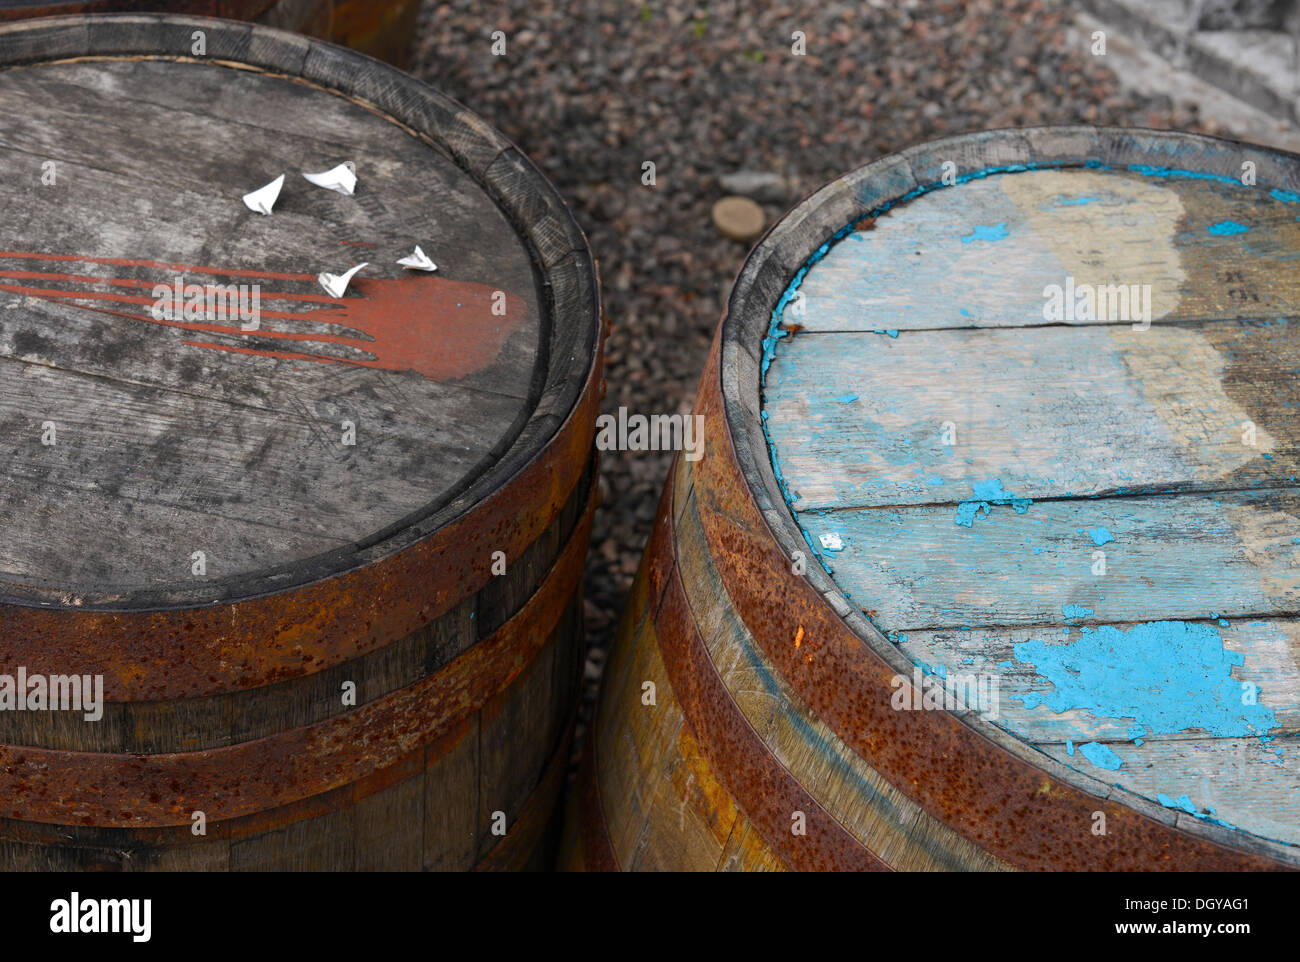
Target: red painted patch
[[442, 329]]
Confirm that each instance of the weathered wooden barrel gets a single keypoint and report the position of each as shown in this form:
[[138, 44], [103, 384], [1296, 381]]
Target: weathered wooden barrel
[[978, 570], [380, 28], [322, 553]]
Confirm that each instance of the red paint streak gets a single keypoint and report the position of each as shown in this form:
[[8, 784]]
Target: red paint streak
[[131, 282], [439, 328]]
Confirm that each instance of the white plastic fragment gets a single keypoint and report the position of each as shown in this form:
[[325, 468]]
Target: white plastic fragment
[[336, 284], [342, 178], [263, 199], [418, 261], [831, 542]]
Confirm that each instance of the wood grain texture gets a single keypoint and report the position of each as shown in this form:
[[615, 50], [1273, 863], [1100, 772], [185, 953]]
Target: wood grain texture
[[980, 492], [1054, 412], [913, 267], [196, 415]]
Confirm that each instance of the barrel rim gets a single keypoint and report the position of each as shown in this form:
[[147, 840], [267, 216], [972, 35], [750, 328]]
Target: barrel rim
[[567, 285], [242, 9], [787, 247]]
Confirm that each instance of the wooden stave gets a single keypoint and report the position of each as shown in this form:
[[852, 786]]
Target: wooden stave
[[529, 484], [746, 506], [224, 720], [549, 466], [249, 843], [156, 835]]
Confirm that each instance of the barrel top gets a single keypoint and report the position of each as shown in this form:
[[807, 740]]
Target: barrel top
[[146, 419], [1039, 422]]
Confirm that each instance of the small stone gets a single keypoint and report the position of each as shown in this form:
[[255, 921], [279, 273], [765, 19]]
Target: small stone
[[738, 218], [759, 185]]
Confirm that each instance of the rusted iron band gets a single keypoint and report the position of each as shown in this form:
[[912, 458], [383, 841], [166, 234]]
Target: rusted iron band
[[178, 653], [143, 841], [379, 744], [767, 793], [999, 802]]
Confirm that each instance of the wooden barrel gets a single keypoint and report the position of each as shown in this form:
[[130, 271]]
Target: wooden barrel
[[972, 575], [380, 28], [323, 553]]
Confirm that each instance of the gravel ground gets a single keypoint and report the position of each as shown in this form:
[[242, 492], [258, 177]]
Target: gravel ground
[[591, 89]]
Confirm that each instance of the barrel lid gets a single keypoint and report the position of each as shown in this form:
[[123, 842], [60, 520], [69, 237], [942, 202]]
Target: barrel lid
[[1030, 398], [227, 448]]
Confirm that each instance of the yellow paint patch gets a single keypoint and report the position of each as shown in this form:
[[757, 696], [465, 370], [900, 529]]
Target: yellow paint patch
[[1180, 374], [1267, 537], [1123, 236]]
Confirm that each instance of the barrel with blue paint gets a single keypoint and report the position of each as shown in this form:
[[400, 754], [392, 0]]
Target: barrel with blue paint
[[993, 558]]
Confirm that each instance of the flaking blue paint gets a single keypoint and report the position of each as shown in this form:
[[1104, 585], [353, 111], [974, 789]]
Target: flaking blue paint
[[1101, 756], [1073, 612], [1227, 228], [1167, 676], [988, 493], [1100, 536], [775, 333], [986, 232], [1175, 173], [1184, 803]]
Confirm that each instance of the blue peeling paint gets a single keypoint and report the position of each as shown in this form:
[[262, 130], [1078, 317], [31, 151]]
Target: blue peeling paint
[[847, 398], [1288, 196], [1072, 612], [1175, 173], [1184, 803], [988, 493], [1077, 201], [1168, 676], [987, 232], [1100, 536], [1069, 747], [775, 332], [1227, 228], [1101, 756], [1135, 732]]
